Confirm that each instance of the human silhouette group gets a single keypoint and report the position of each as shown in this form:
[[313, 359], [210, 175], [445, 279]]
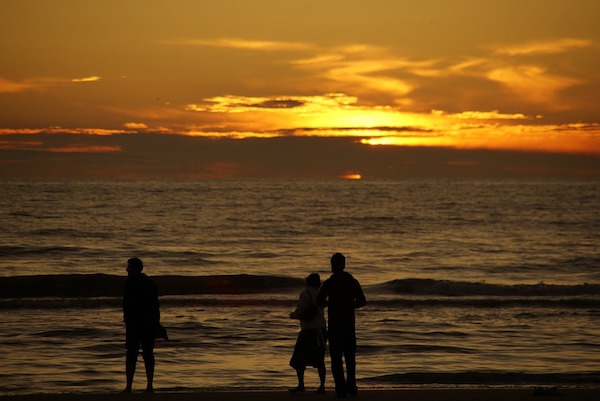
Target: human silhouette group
[[341, 294]]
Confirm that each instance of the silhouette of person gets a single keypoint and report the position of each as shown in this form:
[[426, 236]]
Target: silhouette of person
[[310, 344], [342, 294], [141, 313]]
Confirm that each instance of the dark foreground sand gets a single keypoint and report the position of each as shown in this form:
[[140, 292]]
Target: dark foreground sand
[[486, 394]]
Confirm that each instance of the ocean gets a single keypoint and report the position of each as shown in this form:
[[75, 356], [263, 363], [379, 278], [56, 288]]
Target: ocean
[[468, 282]]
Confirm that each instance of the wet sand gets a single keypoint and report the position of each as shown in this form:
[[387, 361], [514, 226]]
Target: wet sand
[[461, 394]]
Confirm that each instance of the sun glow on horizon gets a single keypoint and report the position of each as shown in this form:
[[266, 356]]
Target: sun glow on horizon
[[351, 176]]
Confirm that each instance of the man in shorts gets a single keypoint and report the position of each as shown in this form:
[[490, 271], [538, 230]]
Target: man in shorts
[[141, 314], [342, 294]]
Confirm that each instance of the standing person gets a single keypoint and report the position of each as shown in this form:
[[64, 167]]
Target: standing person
[[141, 314], [342, 294], [310, 344]]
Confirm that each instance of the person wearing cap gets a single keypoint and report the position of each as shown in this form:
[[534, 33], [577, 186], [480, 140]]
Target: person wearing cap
[[342, 294], [141, 313]]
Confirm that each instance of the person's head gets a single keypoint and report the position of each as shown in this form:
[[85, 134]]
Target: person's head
[[313, 280], [134, 266], [338, 262]]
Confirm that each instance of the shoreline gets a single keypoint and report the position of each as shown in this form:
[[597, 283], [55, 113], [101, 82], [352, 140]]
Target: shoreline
[[413, 394]]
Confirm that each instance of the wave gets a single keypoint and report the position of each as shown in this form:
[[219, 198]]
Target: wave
[[587, 306], [104, 285], [494, 302], [405, 291], [480, 378], [39, 250], [463, 288]]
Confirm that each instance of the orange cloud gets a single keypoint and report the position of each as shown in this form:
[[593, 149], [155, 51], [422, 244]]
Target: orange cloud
[[61, 130], [482, 115], [543, 47], [333, 110], [365, 69], [39, 83], [244, 44], [20, 131], [85, 149], [135, 126], [86, 79], [334, 115], [533, 83], [71, 148], [20, 145], [7, 86], [538, 138]]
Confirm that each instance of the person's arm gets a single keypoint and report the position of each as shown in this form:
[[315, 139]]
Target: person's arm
[[302, 305], [322, 295], [359, 300], [125, 303], [155, 303]]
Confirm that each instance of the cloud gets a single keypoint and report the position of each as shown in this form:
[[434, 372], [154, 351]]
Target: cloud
[[244, 44], [77, 148], [533, 83], [43, 146], [365, 69], [524, 138], [467, 65], [320, 112], [279, 104], [543, 47], [166, 155], [482, 115], [362, 67], [377, 74], [20, 145], [20, 131], [135, 126], [592, 128], [7, 86], [241, 104], [39, 83], [61, 130], [93, 78]]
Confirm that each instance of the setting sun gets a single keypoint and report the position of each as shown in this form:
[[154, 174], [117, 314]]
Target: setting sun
[[351, 176]]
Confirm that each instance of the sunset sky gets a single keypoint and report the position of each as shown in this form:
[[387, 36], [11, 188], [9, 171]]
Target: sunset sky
[[303, 89]]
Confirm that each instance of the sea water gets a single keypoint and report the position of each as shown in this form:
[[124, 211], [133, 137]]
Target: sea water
[[492, 282]]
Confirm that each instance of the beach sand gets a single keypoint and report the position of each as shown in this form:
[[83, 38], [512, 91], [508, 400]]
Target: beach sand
[[459, 394]]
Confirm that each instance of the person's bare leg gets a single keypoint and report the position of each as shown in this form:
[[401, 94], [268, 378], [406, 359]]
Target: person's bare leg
[[149, 364], [129, 373], [300, 388], [322, 375]]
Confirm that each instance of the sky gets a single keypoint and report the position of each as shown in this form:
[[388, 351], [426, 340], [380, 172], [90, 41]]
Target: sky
[[299, 89]]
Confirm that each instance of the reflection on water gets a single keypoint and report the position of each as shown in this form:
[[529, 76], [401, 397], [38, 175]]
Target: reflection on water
[[488, 237], [249, 346]]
